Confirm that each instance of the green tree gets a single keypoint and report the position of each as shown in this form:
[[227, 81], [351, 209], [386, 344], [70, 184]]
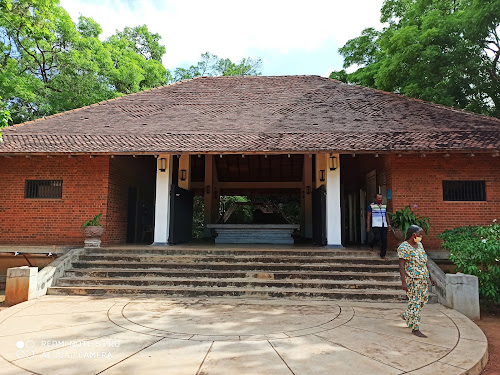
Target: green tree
[[5, 117], [143, 42], [49, 64], [131, 71], [211, 65], [443, 51]]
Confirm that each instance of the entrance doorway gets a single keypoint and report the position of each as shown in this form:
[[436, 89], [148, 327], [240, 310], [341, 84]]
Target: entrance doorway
[[282, 177], [319, 216], [362, 176]]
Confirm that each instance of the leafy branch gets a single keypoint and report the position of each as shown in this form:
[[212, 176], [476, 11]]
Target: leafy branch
[[476, 251]]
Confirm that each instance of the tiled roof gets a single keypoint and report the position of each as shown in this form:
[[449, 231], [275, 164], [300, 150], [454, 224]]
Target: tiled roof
[[282, 113]]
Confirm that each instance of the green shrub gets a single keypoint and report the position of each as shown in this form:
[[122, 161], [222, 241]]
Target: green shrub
[[476, 251], [405, 217], [242, 214], [198, 216], [94, 222]]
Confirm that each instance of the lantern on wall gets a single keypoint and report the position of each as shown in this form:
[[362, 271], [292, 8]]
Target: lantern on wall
[[163, 165], [322, 175], [333, 162], [183, 175]]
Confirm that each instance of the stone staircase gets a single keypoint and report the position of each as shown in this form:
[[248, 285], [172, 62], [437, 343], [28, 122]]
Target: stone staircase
[[297, 273]]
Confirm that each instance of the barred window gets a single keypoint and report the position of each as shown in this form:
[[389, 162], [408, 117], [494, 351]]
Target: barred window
[[49, 189], [464, 191]]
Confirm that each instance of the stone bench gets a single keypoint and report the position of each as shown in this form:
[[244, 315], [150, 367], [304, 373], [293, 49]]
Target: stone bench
[[254, 233]]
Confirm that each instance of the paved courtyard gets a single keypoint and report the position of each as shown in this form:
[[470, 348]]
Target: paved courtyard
[[88, 335]]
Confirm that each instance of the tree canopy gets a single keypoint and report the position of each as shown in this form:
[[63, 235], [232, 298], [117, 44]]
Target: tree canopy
[[5, 117], [211, 65], [443, 51], [49, 64]]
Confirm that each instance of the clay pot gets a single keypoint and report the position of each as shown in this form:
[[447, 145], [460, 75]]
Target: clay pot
[[93, 231], [93, 235], [398, 234]]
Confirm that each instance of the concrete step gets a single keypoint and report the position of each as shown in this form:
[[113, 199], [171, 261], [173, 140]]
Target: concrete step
[[261, 272], [154, 250], [146, 258], [263, 267], [277, 275], [233, 282], [262, 292]]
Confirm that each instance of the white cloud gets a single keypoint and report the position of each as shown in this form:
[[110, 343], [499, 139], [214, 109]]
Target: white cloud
[[328, 72], [231, 29]]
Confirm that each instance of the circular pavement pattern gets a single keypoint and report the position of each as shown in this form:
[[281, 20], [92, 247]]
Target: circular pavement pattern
[[227, 322], [87, 335]]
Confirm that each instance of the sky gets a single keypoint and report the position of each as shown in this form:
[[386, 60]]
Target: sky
[[291, 37]]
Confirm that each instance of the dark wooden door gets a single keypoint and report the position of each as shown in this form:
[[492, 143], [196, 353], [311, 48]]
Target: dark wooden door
[[132, 214], [319, 215], [181, 215]]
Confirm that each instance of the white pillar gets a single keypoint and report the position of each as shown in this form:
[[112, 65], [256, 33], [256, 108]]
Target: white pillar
[[162, 209], [333, 213]]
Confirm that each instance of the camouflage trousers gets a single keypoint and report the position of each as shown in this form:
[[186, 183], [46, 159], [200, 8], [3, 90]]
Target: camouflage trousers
[[417, 297]]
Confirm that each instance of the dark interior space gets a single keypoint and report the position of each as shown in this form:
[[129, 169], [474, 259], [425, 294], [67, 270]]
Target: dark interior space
[[362, 176]]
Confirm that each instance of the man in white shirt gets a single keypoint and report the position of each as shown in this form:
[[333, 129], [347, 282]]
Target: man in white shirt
[[377, 222]]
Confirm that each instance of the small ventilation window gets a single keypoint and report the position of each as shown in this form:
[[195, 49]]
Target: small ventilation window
[[48, 189], [464, 191]]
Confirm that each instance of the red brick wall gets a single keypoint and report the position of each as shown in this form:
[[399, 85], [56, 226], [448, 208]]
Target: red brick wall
[[90, 186], [51, 221], [116, 230], [86, 183], [388, 173], [418, 181]]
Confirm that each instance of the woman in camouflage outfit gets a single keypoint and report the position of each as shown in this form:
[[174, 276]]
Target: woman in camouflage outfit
[[414, 275]]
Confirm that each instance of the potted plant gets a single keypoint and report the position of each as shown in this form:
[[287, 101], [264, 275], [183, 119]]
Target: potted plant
[[93, 230], [402, 219]]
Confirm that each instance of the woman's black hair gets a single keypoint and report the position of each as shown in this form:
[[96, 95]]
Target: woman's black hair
[[412, 229]]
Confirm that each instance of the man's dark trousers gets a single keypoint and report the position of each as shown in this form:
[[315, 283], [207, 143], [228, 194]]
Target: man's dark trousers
[[380, 234]]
